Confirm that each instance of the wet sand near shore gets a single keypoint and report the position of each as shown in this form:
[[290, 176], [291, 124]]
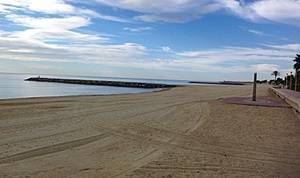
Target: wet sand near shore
[[181, 132]]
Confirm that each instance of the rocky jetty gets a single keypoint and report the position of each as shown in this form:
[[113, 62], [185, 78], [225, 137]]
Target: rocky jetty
[[101, 83], [220, 83]]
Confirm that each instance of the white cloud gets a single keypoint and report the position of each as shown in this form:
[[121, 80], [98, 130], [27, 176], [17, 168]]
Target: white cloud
[[55, 35], [166, 48], [167, 10], [240, 8], [166, 6], [283, 11], [291, 47], [265, 67], [256, 32], [225, 60], [174, 18], [53, 7], [36, 50], [238, 54], [265, 34], [94, 14], [66, 23], [138, 29], [49, 6], [53, 29]]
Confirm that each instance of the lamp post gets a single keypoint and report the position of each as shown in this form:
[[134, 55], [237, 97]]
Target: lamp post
[[254, 87], [286, 77], [291, 80]]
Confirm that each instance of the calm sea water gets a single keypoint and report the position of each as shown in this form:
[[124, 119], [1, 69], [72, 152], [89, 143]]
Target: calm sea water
[[14, 86]]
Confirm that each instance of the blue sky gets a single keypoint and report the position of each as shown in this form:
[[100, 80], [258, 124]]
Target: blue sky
[[170, 39]]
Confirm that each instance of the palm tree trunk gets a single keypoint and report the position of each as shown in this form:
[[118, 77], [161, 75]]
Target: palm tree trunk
[[296, 78]]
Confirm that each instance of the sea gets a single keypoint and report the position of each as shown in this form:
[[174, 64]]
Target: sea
[[15, 86]]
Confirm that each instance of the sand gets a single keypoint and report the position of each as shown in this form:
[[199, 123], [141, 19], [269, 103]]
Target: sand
[[181, 132]]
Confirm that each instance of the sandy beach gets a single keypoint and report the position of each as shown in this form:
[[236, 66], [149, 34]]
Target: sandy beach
[[181, 132]]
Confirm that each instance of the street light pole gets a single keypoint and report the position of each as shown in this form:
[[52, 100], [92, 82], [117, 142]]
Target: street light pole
[[291, 81], [254, 87], [286, 81]]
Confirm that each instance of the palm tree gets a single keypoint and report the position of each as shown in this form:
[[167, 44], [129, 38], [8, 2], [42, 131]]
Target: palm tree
[[297, 60], [296, 67], [275, 73]]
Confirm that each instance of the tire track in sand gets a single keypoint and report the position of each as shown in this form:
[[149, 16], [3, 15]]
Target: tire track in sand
[[51, 149]]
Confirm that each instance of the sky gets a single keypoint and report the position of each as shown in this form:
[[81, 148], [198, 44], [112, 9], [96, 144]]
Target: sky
[[205, 40]]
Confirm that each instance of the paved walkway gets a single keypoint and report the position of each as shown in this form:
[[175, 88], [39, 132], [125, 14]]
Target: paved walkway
[[290, 96], [260, 101]]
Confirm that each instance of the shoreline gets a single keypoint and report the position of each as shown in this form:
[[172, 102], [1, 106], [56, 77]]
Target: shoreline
[[90, 95]]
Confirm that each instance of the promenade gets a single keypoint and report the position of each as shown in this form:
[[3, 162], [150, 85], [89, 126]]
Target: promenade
[[290, 96]]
